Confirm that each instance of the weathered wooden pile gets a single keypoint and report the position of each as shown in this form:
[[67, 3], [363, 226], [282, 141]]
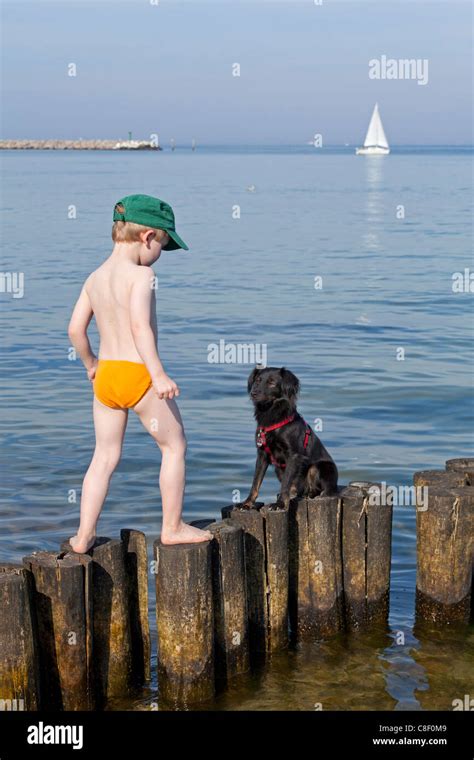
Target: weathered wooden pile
[[74, 628], [445, 544]]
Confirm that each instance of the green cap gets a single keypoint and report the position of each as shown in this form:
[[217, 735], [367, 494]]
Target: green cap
[[151, 212]]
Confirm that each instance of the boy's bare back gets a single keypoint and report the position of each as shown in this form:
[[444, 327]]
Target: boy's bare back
[[110, 289]]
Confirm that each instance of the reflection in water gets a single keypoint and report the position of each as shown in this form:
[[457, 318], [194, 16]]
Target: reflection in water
[[361, 671], [374, 205], [376, 670]]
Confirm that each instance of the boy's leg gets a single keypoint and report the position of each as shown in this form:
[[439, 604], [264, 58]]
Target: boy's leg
[[110, 427], [162, 420]]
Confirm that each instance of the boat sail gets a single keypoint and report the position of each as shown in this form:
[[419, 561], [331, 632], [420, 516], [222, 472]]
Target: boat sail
[[375, 143]]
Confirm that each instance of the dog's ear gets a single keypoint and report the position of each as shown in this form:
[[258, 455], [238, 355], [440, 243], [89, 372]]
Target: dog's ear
[[252, 377], [290, 385]]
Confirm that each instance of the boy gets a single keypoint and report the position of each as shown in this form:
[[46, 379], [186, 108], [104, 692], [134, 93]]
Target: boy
[[128, 373]]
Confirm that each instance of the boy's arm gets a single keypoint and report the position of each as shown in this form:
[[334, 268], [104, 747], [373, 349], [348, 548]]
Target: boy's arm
[[143, 335], [77, 330]]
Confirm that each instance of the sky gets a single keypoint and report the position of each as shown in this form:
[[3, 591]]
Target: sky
[[166, 67]]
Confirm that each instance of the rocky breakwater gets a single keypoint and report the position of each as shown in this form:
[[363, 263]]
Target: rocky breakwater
[[77, 145]]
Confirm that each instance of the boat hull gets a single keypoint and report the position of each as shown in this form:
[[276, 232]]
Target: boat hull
[[372, 151]]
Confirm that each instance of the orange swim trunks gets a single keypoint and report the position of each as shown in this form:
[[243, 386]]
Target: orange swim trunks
[[121, 384]]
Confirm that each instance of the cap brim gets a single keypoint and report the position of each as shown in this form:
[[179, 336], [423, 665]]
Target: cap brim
[[175, 242]]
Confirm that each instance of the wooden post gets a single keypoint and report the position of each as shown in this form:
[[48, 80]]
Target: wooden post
[[440, 479], [19, 676], [231, 645], [112, 637], [378, 557], [464, 465], [266, 571], [136, 565], [62, 603], [226, 511], [184, 617], [299, 586], [316, 590], [276, 542], [445, 547], [203, 523], [354, 558], [366, 554], [251, 521]]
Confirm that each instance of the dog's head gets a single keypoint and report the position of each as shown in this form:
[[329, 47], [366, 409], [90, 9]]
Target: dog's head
[[265, 386]]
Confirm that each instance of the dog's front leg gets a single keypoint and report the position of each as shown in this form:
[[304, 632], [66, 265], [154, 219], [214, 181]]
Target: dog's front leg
[[261, 467], [289, 475]]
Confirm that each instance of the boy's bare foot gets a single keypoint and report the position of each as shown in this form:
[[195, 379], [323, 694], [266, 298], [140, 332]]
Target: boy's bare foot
[[81, 545], [185, 534]]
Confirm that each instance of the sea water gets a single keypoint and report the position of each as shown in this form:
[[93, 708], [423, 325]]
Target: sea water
[[340, 267]]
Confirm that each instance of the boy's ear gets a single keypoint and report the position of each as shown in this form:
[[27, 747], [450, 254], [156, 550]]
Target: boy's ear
[[290, 385], [251, 379], [147, 236]]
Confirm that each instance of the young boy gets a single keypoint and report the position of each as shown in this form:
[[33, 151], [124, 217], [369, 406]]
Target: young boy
[[128, 373]]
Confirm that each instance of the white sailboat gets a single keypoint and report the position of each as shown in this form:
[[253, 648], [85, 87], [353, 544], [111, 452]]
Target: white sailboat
[[375, 143]]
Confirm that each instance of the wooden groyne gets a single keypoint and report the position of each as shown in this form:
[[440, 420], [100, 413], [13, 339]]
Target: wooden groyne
[[74, 628], [265, 537], [78, 145], [19, 667], [185, 622], [445, 544], [229, 599], [316, 601]]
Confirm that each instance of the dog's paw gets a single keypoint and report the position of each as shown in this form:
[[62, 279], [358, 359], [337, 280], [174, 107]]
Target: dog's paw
[[278, 505], [246, 505]]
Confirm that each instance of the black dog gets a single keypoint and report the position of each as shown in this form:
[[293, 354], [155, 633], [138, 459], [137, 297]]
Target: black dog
[[284, 439]]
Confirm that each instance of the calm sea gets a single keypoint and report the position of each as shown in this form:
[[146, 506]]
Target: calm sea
[[382, 350]]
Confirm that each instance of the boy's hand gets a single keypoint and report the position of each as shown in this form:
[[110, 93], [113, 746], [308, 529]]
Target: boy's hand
[[92, 370], [165, 387]]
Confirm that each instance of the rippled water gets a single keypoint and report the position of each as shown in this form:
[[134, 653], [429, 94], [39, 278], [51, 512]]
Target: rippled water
[[387, 284]]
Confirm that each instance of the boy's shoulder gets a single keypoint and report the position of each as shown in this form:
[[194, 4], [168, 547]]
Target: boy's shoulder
[[142, 272], [133, 273], [92, 278], [132, 276], [89, 280], [142, 275]]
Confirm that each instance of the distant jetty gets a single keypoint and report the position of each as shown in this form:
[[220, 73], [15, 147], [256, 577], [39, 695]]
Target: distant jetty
[[78, 145]]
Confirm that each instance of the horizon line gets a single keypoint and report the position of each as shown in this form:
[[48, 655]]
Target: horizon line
[[183, 144]]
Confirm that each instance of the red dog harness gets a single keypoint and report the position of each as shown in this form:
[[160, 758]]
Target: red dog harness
[[262, 440]]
